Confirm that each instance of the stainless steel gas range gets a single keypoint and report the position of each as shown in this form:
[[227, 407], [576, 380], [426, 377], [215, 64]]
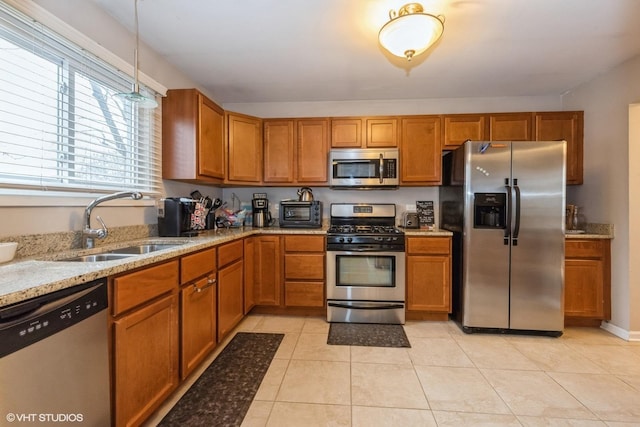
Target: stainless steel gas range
[[365, 265]]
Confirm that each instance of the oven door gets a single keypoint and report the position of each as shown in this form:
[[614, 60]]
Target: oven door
[[366, 287], [369, 276]]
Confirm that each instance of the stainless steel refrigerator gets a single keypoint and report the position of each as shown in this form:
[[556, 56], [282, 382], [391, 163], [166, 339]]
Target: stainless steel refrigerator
[[505, 203]]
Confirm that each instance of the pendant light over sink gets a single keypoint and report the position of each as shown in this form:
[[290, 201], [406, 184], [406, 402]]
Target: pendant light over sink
[[135, 96], [410, 31]]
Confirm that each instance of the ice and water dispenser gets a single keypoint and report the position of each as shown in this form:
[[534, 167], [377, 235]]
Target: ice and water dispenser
[[489, 210]]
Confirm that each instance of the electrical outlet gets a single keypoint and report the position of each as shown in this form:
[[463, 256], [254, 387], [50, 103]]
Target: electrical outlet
[[410, 207]]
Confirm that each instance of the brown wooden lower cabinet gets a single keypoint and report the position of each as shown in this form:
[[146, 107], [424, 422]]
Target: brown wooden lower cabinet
[[198, 302], [268, 272], [587, 281], [145, 342], [428, 265], [230, 287], [304, 271]]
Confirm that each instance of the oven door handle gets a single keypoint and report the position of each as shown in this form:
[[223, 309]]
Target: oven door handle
[[367, 306]]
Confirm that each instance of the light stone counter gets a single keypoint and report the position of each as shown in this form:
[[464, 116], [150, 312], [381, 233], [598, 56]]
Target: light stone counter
[[39, 275], [593, 231], [416, 232]]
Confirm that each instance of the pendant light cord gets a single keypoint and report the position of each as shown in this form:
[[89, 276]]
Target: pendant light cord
[[135, 52]]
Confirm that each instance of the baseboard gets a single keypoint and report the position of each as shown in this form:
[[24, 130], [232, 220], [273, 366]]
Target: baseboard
[[619, 332]]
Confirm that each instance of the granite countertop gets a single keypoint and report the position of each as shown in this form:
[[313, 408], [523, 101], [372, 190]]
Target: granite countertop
[[38, 275]]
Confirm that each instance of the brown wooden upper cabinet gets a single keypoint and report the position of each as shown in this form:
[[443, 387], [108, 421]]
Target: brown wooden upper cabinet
[[244, 148], [279, 151], [510, 127], [295, 151], [458, 128], [346, 132], [568, 126], [364, 132], [420, 150], [192, 137]]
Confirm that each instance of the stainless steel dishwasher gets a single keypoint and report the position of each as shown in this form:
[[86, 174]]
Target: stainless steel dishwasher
[[54, 365]]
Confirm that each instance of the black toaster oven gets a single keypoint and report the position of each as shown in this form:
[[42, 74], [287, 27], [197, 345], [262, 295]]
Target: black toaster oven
[[296, 214]]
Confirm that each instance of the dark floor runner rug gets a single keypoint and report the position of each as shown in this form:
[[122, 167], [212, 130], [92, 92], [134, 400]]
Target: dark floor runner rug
[[367, 334], [223, 393]]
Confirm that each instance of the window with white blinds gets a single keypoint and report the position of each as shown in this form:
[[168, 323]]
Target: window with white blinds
[[61, 127]]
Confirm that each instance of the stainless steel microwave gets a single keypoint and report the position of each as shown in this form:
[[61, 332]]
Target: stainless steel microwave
[[364, 168]]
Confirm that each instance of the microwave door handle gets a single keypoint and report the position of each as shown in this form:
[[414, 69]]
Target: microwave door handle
[[381, 168]]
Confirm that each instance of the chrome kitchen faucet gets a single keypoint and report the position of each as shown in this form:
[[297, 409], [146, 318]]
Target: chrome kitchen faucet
[[88, 233]]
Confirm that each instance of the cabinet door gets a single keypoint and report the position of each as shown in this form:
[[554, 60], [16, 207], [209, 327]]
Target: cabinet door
[[584, 280], [429, 283], [567, 125], [313, 146], [211, 144], [510, 127], [346, 133], [244, 148], [230, 303], [304, 266], [279, 157], [192, 137], [382, 132], [420, 151], [458, 128], [249, 273], [304, 294], [198, 323], [268, 279], [145, 360]]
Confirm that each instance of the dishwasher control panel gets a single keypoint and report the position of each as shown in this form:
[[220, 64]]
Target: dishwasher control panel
[[30, 321]]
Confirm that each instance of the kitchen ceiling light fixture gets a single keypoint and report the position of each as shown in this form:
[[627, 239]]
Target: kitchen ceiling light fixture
[[135, 96], [410, 31]]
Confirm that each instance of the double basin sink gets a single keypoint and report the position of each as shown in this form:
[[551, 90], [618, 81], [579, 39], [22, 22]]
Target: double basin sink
[[129, 251]]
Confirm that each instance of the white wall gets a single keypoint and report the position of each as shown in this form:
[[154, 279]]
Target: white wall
[[606, 190], [634, 223]]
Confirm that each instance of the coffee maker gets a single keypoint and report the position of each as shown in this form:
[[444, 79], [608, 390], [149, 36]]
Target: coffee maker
[[174, 216], [260, 206]]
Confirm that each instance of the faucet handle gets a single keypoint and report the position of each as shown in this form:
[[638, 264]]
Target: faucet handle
[[102, 233]]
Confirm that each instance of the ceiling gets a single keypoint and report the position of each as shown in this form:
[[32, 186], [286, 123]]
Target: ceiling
[[327, 50]]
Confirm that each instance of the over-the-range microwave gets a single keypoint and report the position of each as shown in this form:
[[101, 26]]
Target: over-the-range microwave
[[363, 168]]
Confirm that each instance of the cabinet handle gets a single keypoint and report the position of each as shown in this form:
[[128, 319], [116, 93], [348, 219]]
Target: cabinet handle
[[210, 282]]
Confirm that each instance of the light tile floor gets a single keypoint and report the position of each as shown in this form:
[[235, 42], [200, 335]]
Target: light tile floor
[[587, 377]]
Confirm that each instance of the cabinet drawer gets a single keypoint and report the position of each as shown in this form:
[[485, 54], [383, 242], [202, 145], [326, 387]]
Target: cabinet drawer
[[304, 244], [304, 266], [304, 294], [136, 288], [429, 245], [584, 248], [197, 265], [229, 253]]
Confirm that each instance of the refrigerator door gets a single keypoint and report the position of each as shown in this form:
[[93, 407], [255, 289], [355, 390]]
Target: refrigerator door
[[485, 281], [537, 252]]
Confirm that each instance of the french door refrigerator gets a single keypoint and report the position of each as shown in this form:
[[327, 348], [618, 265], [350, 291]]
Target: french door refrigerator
[[505, 203]]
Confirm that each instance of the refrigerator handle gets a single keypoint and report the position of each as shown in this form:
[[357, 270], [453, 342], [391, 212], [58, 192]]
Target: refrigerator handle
[[516, 228], [507, 229]]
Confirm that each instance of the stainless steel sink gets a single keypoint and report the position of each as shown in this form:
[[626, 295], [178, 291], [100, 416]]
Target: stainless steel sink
[[98, 257], [144, 249], [122, 253]]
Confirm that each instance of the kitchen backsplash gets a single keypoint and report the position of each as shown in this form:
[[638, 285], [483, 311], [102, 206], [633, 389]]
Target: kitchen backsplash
[[31, 245]]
